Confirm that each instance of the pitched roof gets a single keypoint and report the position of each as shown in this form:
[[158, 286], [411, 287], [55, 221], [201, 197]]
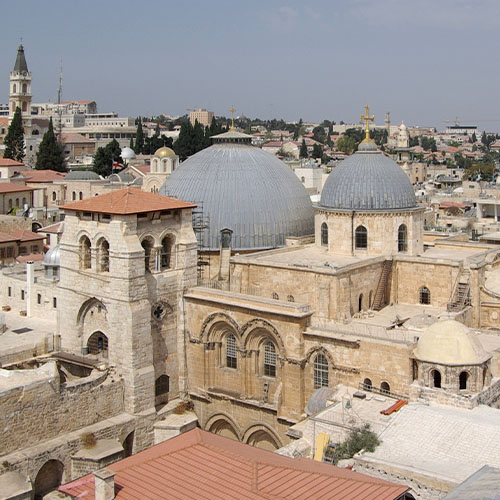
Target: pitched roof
[[25, 235], [7, 187], [5, 237], [20, 64], [43, 175], [35, 257], [9, 162], [200, 465], [74, 138], [56, 228], [127, 201]]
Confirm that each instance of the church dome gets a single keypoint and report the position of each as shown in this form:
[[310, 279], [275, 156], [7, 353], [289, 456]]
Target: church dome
[[127, 154], [449, 342], [243, 188], [53, 257], [368, 180], [82, 175], [164, 152]]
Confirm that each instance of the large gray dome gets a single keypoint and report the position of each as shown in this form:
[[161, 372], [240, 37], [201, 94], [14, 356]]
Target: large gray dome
[[368, 180], [245, 189], [82, 175]]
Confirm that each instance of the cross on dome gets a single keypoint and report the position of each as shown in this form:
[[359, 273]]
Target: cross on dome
[[366, 117]]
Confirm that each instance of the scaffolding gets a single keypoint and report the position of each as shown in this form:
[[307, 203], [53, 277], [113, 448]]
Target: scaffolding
[[201, 227]]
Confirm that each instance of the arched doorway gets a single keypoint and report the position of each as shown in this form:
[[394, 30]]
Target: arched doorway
[[223, 428], [49, 477], [436, 379], [98, 344], [463, 378], [128, 444], [264, 440]]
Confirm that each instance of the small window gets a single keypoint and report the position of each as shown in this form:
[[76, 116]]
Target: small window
[[436, 379], [231, 357], [54, 302], [320, 371], [402, 238], [54, 196], [103, 256], [167, 244], [463, 379], [361, 237], [276, 296], [324, 234], [9, 291], [385, 388], [22, 294], [269, 360], [81, 195], [85, 261], [360, 302], [424, 295], [291, 298], [39, 298], [367, 384]]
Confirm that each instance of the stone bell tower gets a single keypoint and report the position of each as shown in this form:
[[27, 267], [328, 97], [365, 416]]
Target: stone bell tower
[[126, 258], [20, 91]]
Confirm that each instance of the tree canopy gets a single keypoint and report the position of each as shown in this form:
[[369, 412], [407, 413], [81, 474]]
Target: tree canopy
[[105, 157], [50, 152], [14, 140], [303, 153], [139, 138], [347, 144]]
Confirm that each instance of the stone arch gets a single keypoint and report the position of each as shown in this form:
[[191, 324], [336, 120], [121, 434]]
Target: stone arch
[[48, 478], [223, 425], [102, 246], [87, 306], [314, 351], [435, 378], [84, 252], [147, 243], [463, 380], [385, 387], [262, 436], [128, 443], [211, 321], [98, 343], [367, 384], [257, 331], [167, 257]]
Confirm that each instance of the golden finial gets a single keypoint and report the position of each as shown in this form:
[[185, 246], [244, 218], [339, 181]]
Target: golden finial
[[232, 129], [368, 119]]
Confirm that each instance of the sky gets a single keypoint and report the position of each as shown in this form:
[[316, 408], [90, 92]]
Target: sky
[[425, 61]]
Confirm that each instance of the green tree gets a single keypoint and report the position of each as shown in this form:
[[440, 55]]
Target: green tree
[[482, 171], [473, 138], [14, 140], [139, 138], [116, 152], [183, 146], [319, 134], [347, 144], [358, 439], [303, 150], [50, 152], [317, 151], [103, 162]]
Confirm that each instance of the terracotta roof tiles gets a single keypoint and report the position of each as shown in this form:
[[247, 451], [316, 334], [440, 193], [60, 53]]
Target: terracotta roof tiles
[[25, 235], [43, 175], [126, 202], [200, 465], [7, 187], [9, 162]]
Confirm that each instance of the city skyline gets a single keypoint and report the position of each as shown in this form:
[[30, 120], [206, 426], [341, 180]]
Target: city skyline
[[281, 60]]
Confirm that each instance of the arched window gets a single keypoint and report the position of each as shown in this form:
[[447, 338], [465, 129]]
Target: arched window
[[463, 378], [25, 88], [320, 371], [402, 238], [24, 201], [14, 88], [385, 388], [73, 195], [25, 106], [97, 343], [102, 256], [361, 237], [81, 196], [231, 357], [84, 253], [360, 302], [269, 360], [436, 379], [10, 204], [276, 296], [291, 298], [424, 295], [167, 244], [17, 202], [367, 384], [324, 234], [147, 244], [302, 179], [162, 385], [54, 196]]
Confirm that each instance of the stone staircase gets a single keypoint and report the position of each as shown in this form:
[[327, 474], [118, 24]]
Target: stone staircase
[[461, 293], [379, 300]]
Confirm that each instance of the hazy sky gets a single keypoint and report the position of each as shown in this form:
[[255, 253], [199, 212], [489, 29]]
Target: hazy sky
[[423, 60]]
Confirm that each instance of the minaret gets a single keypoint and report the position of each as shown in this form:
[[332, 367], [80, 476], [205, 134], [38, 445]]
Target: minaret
[[388, 123], [20, 91]]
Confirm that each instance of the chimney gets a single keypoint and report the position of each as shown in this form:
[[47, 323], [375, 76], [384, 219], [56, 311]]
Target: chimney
[[104, 484], [30, 280]]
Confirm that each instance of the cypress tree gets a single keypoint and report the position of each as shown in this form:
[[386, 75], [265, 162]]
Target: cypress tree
[[103, 161], [50, 154], [139, 138], [131, 146], [14, 140], [183, 146], [303, 150]]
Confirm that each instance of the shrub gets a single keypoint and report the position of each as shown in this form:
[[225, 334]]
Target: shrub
[[359, 439]]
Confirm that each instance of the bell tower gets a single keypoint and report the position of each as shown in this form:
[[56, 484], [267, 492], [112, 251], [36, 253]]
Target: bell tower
[[20, 91]]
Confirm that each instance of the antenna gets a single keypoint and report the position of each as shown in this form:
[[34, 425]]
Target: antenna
[[59, 95]]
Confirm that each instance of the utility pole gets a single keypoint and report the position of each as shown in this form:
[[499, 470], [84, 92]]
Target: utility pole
[[59, 109]]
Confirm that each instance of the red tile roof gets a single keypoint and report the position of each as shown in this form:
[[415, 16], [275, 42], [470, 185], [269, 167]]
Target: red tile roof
[[43, 175], [25, 235], [145, 169], [7, 187], [200, 465], [127, 201], [74, 138], [35, 257], [8, 162], [58, 227], [5, 237]]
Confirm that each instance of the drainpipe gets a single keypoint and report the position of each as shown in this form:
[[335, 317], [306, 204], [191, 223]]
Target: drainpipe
[[30, 281], [352, 233]]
